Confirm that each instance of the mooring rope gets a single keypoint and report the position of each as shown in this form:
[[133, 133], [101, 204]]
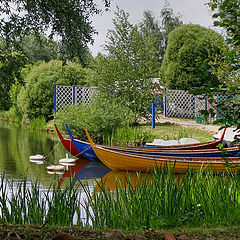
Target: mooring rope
[[52, 150]]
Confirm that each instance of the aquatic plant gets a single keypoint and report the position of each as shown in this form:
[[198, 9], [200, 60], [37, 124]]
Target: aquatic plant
[[169, 200], [156, 200]]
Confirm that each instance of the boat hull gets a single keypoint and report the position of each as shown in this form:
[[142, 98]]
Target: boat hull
[[135, 162], [68, 144]]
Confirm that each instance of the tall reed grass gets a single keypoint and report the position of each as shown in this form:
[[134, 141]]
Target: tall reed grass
[[169, 200], [28, 203], [38, 124], [128, 136], [165, 200]]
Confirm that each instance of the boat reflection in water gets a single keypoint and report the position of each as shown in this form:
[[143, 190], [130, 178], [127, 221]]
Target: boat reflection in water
[[85, 169], [122, 179]]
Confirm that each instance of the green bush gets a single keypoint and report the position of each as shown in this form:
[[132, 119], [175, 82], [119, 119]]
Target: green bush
[[101, 117], [188, 59], [35, 99]]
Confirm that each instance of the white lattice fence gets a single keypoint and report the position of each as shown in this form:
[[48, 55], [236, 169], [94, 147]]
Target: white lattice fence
[[84, 94], [179, 103], [69, 95], [202, 103]]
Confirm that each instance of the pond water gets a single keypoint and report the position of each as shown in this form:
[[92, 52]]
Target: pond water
[[18, 143]]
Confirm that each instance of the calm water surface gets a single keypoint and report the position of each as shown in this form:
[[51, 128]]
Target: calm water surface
[[18, 143]]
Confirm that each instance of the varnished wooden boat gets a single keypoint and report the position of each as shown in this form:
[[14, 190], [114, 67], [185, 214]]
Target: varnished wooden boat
[[184, 150], [117, 160], [68, 144]]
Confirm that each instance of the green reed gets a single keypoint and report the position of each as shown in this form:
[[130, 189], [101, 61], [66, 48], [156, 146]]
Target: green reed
[[133, 136], [28, 203], [38, 124], [157, 200], [195, 199]]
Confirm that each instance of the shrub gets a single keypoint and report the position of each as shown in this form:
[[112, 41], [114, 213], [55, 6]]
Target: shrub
[[190, 52], [100, 117], [35, 99]]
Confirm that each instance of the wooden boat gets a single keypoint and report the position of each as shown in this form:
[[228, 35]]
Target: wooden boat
[[205, 153], [83, 147], [86, 149], [117, 160], [68, 144]]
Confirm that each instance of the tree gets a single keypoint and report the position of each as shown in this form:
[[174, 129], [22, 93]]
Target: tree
[[39, 49], [11, 64], [35, 99], [65, 19], [226, 14], [158, 30], [131, 62], [187, 62]]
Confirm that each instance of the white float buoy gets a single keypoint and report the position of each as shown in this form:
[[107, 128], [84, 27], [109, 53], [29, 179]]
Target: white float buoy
[[55, 173], [68, 163], [55, 168], [37, 157], [37, 161], [67, 160]]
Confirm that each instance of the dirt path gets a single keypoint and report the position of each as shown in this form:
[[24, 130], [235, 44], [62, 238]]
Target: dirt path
[[189, 124]]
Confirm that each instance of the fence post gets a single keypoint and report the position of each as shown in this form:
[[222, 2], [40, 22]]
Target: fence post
[[165, 103], [153, 115], [74, 94], [55, 100]]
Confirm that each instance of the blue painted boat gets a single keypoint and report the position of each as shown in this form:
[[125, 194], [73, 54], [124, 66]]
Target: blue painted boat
[[83, 147], [86, 149]]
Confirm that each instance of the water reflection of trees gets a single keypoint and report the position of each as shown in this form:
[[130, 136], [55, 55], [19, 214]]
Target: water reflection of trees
[[17, 144]]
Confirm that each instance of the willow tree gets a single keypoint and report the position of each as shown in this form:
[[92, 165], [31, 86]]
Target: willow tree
[[66, 20]]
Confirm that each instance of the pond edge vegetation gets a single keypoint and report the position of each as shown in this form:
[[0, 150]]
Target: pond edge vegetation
[[196, 199]]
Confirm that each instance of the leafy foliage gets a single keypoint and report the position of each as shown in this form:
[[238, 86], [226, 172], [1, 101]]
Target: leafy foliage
[[101, 117], [226, 14], [158, 30], [11, 64], [190, 51], [131, 63], [66, 19], [39, 49], [35, 99]]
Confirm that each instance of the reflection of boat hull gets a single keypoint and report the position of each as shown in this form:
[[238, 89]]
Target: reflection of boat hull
[[120, 179], [136, 162], [92, 170], [85, 169], [68, 144]]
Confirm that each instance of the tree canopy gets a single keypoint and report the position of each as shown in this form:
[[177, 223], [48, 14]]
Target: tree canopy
[[187, 62], [66, 20], [133, 59]]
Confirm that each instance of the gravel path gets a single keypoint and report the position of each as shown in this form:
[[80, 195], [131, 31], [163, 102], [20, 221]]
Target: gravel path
[[189, 124]]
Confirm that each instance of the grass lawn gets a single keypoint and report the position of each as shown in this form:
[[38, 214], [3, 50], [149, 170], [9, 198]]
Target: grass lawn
[[175, 132]]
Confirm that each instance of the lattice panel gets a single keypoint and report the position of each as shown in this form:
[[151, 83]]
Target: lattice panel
[[84, 94], [202, 103], [179, 103], [68, 95], [64, 96]]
